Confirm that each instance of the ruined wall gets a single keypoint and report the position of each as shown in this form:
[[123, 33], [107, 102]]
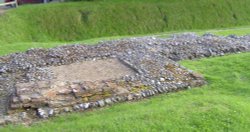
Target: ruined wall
[[41, 83]]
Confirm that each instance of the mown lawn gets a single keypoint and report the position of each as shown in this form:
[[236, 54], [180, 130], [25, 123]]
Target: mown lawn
[[222, 105]]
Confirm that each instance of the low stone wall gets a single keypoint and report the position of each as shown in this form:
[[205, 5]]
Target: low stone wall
[[48, 98], [31, 89]]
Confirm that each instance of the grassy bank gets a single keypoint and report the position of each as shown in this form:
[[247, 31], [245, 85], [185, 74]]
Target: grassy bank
[[75, 21], [23, 46], [222, 105]]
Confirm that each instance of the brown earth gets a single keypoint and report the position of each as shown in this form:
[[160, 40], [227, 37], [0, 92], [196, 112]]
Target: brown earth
[[94, 70], [2, 11]]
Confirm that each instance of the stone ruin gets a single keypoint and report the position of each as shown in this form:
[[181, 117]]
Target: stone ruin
[[42, 83]]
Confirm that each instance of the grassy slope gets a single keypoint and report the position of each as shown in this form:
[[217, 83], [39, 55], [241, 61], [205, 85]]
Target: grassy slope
[[222, 105], [85, 20], [23, 46]]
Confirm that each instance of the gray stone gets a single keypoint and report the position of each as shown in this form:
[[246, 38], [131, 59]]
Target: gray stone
[[42, 113], [81, 106], [35, 96], [25, 98], [23, 115], [159, 90], [108, 101], [101, 103], [76, 107], [10, 119], [130, 97], [86, 105], [143, 94], [164, 89], [114, 99], [156, 91], [2, 121], [121, 91], [162, 79], [158, 83], [67, 109], [51, 112], [15, 100]]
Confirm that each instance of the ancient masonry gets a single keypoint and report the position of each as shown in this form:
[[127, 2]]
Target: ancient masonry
[[42, 83]]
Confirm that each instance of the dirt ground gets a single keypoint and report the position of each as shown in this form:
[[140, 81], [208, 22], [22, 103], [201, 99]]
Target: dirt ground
[[91, 71], [3, 9]]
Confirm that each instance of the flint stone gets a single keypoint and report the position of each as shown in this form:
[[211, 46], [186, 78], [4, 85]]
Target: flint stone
[[130, 97], [143, 94], [77, 90], [2, 121], [43, 84], [67, 109], [121, 91], [108, 101], [23, 116], [86, 105], [24, 87], [35, 96], [155, 90], [114, 99], [15, 99], [147, 93], [164, 89], [81, 106], [51, 112], [76, 107], [65, 91], [162, 79], [15, 106], [25, 98], [10, 119], [159, 90], [101, 103], [42, 113]]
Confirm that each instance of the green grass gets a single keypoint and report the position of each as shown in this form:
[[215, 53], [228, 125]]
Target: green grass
[[50, 25], [23, 46], [76, 21], [222, 105], [244, 30]]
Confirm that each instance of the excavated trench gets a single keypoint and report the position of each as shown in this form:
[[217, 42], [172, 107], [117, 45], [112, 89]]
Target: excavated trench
[[42, 83]]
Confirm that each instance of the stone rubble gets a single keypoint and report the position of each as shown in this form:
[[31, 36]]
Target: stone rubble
[[28, 92]]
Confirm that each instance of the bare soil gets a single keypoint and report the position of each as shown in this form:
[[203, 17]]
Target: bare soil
[[91, 71], [2, 11]]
